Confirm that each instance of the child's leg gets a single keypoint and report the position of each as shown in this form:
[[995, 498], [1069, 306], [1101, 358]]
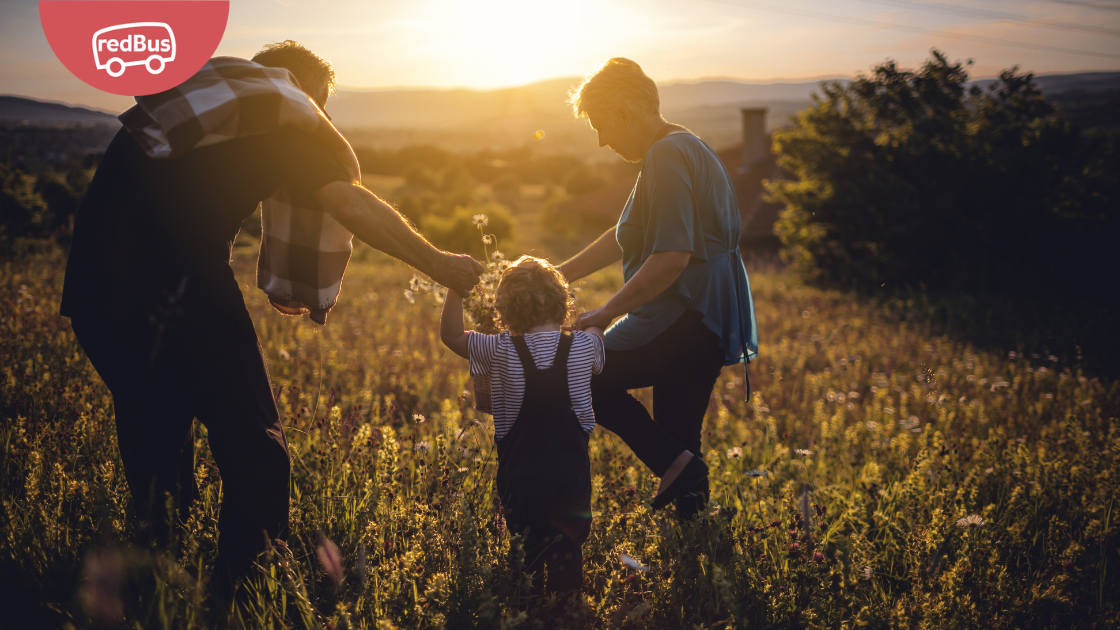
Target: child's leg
[[564, 566]]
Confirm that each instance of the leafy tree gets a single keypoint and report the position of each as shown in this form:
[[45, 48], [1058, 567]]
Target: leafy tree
[[912, 178], [23, 213]]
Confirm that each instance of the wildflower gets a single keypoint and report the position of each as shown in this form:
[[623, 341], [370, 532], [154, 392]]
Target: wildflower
[[487, 239], [818, 557], [422, 446], [1052, 359], [632, 563], [867, 573], [831, 395], [330, 558], [757, 472], [735, 452], [803, 452], [101, 585], [888, 410], [853, 395], [463, 470], [408, 296], [417, 418], [872, 425], [989, 471], [284, 355], [972, 521], [479, 220]]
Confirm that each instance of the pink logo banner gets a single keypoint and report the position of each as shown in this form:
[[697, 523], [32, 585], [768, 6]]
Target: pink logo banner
[[134, 47]]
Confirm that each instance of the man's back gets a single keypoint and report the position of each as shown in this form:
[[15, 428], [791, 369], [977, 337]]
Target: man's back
[[149, 229]]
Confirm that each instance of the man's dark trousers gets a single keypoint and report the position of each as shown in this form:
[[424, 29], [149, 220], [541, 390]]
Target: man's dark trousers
[[204, 364]]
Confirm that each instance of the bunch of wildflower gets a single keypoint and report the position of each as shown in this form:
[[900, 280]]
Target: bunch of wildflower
[[478, 305]]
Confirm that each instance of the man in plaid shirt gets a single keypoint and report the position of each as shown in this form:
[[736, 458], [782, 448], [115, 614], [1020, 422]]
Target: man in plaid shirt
[[153, 300]]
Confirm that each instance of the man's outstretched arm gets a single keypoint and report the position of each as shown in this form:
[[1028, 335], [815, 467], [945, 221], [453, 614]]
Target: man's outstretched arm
[[381, 227]]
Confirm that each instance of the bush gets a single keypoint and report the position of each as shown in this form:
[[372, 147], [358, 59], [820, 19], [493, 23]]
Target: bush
[[457, 233], [584, 179], [912, 179]]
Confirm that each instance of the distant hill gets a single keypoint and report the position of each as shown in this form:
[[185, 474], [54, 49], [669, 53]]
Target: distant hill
[[15, 109], [508, 117], [463, 119]]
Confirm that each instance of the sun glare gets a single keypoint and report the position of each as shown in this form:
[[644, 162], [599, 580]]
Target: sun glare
[[493, 43]]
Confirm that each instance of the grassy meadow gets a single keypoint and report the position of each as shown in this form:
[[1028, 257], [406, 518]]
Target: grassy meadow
[[836, 488]]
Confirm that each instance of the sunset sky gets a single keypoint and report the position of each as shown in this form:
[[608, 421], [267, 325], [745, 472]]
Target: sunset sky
[[484, 44]]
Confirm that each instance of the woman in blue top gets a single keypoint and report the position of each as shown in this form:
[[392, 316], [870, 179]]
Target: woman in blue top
[[685, 307]]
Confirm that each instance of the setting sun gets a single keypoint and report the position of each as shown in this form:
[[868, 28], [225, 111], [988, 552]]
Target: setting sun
[[504, 42]]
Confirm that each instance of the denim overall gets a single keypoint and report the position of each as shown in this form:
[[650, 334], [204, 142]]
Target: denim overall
[[544, 475]]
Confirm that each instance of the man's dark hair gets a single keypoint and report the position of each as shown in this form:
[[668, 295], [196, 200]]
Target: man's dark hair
[[310, 69]]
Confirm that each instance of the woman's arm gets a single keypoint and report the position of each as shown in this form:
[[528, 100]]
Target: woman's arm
[[602, 252], [656, 274], [451, 324]]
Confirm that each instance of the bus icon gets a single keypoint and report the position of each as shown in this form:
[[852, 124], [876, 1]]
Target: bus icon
[[149, 44]]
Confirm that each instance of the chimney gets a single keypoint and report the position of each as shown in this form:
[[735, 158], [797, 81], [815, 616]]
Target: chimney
[[754, 137]]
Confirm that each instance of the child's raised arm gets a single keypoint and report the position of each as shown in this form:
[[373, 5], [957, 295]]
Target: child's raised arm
[[451, 324]]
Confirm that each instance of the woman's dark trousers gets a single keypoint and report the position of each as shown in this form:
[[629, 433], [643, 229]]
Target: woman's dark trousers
[[207, 366], [682, 365]]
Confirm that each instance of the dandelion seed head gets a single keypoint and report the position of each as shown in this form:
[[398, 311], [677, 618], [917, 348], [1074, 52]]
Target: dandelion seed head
[[972, 521]]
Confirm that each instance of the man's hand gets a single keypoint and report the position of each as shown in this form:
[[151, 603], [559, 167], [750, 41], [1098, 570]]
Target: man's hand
[[458, 272]]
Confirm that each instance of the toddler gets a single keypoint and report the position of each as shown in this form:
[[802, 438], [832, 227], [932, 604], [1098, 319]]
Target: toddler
[[541, 389]]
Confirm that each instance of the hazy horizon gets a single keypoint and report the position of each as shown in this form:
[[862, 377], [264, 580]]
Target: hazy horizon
[[497, 44]]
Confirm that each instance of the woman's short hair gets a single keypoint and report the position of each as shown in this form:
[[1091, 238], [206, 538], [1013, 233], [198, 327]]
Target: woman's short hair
[[531, 292], [617, 84], [310, 69]]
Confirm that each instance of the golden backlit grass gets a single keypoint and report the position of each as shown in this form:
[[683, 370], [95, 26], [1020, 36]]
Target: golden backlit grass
[[888, 434]]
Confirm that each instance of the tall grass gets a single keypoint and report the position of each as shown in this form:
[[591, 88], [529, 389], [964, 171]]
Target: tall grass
[[836, 489]]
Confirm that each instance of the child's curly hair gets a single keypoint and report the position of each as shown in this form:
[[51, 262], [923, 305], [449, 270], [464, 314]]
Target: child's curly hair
[[531, 292]]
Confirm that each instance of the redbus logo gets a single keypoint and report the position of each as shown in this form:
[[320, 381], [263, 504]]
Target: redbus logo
[[136, 43], [165, 41]]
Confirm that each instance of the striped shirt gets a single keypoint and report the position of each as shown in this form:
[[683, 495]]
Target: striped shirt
[[495, 356]]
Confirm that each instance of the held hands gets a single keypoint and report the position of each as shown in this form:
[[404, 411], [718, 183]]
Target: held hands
[[458, 272], [595, 318]]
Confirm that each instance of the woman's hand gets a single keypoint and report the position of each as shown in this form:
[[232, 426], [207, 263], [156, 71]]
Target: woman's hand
[[595, 318]]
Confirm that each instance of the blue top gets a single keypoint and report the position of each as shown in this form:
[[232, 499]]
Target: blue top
[[683, 201]]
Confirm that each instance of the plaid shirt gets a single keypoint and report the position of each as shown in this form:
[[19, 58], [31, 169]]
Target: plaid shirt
[[304, 251]]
